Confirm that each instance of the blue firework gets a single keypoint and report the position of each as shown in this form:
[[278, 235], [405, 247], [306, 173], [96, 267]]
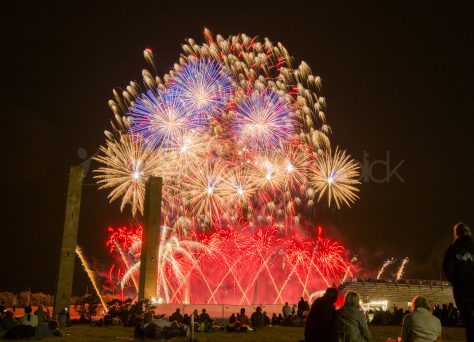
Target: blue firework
[[263, 121], [204, 86], [161, 119]]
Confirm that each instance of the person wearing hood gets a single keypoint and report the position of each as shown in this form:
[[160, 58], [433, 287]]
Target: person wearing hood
[[458, 266], [319, 326]]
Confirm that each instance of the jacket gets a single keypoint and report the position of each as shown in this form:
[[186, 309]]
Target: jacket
[[458, 266], [320, 321], [351, 325], [421, 326]]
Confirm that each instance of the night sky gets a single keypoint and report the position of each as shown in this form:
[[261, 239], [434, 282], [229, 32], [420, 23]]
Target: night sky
[[398, 79]]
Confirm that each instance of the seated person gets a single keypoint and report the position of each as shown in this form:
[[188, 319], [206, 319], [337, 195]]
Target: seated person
[[42, 314], [421, 325], [205, 321], [147, 329], [257, 318], [29, 318], [176, 316], [274, 319], [243, 320], [266, 319], [8, 321], [233, 324]]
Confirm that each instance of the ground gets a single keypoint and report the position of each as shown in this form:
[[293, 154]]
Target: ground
[[273, 334]]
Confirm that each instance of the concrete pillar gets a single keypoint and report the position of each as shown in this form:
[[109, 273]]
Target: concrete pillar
[[151, 234], [68, 247]]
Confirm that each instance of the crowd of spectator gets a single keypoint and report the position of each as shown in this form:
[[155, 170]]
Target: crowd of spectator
[[36, 324]]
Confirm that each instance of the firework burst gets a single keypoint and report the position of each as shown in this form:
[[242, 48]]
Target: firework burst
[[239, 135], [335, 176]]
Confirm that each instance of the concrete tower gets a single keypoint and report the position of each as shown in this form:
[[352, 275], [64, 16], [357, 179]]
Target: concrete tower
[[151, 234], [68, 247]]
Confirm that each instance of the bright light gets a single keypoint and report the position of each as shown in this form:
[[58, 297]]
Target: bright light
[[290, 167], [240, 191], [136, 175], [210, 189], [330, 179]]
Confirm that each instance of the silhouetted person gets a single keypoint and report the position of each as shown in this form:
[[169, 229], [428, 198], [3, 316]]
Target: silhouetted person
[[420, 325], [320, 322], [301, 307], [286, 310], [176, 316], [274, 319], [266, 319], [205, 321], [458, 266], [243, 320], [257, 318], [350, 323]]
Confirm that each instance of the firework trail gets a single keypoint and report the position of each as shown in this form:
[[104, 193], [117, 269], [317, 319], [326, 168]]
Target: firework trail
[[214, 262], [386, 263], [90, 274], [402, 268]]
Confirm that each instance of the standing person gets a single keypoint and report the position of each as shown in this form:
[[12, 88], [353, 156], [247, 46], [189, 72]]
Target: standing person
[[458, 266], [320, 322], [301, 307], [421, 325], [350, 322], [286, 309]]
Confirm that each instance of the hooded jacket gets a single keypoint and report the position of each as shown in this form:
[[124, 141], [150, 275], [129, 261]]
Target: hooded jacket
[[458, 266]]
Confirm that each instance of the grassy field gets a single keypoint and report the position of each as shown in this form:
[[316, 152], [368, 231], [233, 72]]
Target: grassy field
[[273, 334]]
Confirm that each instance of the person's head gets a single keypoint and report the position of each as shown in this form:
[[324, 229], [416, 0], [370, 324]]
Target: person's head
[[28, 309], [302, 299], [242, 311], [420, 302], [195, 312], [259, 309], [147, 317], [203, 310], [286, 303], [331, 294], [352, 299], [461, 229], [450, 305], [178, 310]]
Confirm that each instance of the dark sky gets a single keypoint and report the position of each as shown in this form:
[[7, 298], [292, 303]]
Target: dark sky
[[398, 79]]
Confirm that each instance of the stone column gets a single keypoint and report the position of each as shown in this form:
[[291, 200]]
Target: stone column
[[150, 240], [69, 240]]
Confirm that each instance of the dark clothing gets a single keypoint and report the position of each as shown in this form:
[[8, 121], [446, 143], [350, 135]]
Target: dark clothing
[[466, 309], [301, 308], [351, 326], [257, 319], [150, 331], [20, 332], [176, 317], [458, 266], [320, 322], [204, 318], [8, 322]]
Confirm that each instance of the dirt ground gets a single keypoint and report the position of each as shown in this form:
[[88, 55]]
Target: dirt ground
[[273, 334]]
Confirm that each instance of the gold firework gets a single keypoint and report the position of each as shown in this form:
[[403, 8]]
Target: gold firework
[[127, 164], [335, 175]]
